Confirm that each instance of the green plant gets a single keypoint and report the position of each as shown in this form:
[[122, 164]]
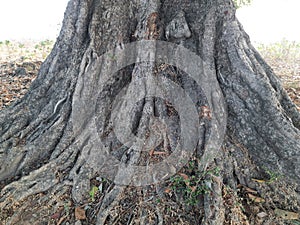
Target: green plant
[[158, 200], [283, 57], [21, 45], [296, 222], [273, 176], [112, 57], [192, 184], [67, 208], [240, 3], [93, 193], [284, 49]]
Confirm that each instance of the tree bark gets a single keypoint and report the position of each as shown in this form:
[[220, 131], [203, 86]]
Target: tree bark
[[58, 142]]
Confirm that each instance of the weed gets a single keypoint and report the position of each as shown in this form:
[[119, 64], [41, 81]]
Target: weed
[[158, 200], [93, 193], [67, 208], [284, 58], [281, 50], [21, 45], [273, 176], [296, 222], [112, 57], [192, 184], [24, 51]]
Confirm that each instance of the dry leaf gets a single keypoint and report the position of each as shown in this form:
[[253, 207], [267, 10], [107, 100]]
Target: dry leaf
[[255, 198], [55, 216], [286, 214], [184, 176], [194, 188], [168, 190], [259, 181], [262, 214], [159, 153], [187, 181], [151, 152], [205, 112], [246, 189], [249, 190], [80, 213]]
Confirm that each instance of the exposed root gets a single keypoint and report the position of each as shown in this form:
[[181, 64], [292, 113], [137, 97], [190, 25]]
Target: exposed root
[[110, 201], [213, 202], [36, 182]]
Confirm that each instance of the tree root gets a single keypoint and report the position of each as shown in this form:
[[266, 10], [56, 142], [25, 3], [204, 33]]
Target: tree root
[[110, 200]]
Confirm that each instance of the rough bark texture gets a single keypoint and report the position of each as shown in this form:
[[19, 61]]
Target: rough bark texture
[[48, 162]]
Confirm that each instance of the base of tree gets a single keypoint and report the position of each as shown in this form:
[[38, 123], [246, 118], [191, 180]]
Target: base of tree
[[236, 193]]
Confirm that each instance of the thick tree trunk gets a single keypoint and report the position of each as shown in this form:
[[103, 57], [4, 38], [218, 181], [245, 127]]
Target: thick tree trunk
[[72, 130]]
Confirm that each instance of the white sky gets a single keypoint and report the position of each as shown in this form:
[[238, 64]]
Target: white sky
[[30, 19], [265, 20], [271, 20]]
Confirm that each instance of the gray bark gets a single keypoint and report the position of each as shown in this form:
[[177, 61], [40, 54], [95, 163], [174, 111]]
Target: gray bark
[[47, 158]]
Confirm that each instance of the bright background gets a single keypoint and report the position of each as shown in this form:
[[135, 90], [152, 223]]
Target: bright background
[[271, 20], [31, 19], [264, 20]]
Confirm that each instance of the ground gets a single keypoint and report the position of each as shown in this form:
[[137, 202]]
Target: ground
[[19, 65], [20, 62]]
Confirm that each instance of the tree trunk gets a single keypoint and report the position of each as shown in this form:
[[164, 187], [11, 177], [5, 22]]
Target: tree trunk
[[151, 112]]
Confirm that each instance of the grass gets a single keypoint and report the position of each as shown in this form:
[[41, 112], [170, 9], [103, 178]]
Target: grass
[[14, 51], [284, 58]]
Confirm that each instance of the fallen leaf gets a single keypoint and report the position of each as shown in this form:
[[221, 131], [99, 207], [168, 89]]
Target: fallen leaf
[[187, 182], [80, 213], [61, 220], [159, 153], [151, 152], [193, 188], [55, 216], [255, 198], [205, 112], [262, 214], [259, 181], [168, 190], [184, 176], [286, 214], [249, 190]]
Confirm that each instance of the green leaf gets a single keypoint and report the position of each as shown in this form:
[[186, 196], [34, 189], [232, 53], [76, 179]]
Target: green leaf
[[93, 193]]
